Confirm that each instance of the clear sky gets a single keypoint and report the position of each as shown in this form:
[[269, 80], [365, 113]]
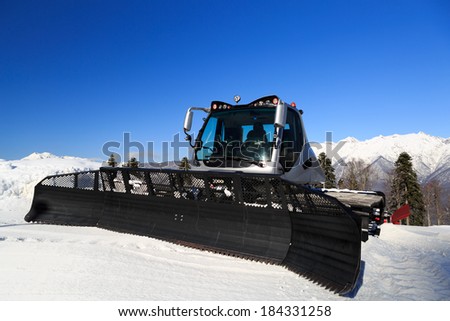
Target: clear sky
[[76, 74]]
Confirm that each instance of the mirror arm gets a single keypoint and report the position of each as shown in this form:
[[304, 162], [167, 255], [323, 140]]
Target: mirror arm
[[189, 138]]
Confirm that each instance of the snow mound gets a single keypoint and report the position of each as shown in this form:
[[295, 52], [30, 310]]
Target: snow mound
[[350, 140], [18, 177], [35, 156]]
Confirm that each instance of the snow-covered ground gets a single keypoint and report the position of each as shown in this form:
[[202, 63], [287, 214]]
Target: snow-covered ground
[[43, 262]]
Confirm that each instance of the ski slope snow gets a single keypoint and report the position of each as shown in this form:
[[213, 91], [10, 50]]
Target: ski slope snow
[[46, 262]]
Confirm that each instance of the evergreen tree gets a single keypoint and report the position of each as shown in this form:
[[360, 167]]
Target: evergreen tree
[[405, 189], [133, 162], [328, 169], [112, 161], [184, 164]]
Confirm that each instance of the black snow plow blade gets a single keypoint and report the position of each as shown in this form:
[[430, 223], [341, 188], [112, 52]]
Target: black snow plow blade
[[258, 217]]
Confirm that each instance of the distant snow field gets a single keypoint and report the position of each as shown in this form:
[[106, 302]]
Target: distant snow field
[[45, 262]]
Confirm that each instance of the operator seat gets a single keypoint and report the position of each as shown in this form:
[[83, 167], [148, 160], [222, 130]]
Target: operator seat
[[257, 133]]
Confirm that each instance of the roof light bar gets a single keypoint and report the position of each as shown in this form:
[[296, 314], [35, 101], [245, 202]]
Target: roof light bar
[[268, 101]]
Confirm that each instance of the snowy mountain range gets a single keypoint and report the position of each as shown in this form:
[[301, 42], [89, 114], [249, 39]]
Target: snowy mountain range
[[430, 156]]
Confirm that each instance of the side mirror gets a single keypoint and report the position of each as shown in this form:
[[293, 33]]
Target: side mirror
[[280, 115], [188, 121]]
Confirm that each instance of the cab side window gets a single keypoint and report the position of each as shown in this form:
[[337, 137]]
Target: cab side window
[[292, 143]]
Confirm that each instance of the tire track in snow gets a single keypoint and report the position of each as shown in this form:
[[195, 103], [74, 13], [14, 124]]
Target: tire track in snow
[[409, 263]]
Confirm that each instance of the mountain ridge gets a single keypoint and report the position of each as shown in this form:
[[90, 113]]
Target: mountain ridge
[[430, 155]]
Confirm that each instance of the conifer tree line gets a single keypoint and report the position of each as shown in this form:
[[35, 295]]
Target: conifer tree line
[[132, 162], [426, 202]]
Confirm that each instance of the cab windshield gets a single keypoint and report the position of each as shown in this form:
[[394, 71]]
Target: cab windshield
[[243, 135]]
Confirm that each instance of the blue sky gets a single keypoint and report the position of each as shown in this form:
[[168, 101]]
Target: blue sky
[[77, 74]]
